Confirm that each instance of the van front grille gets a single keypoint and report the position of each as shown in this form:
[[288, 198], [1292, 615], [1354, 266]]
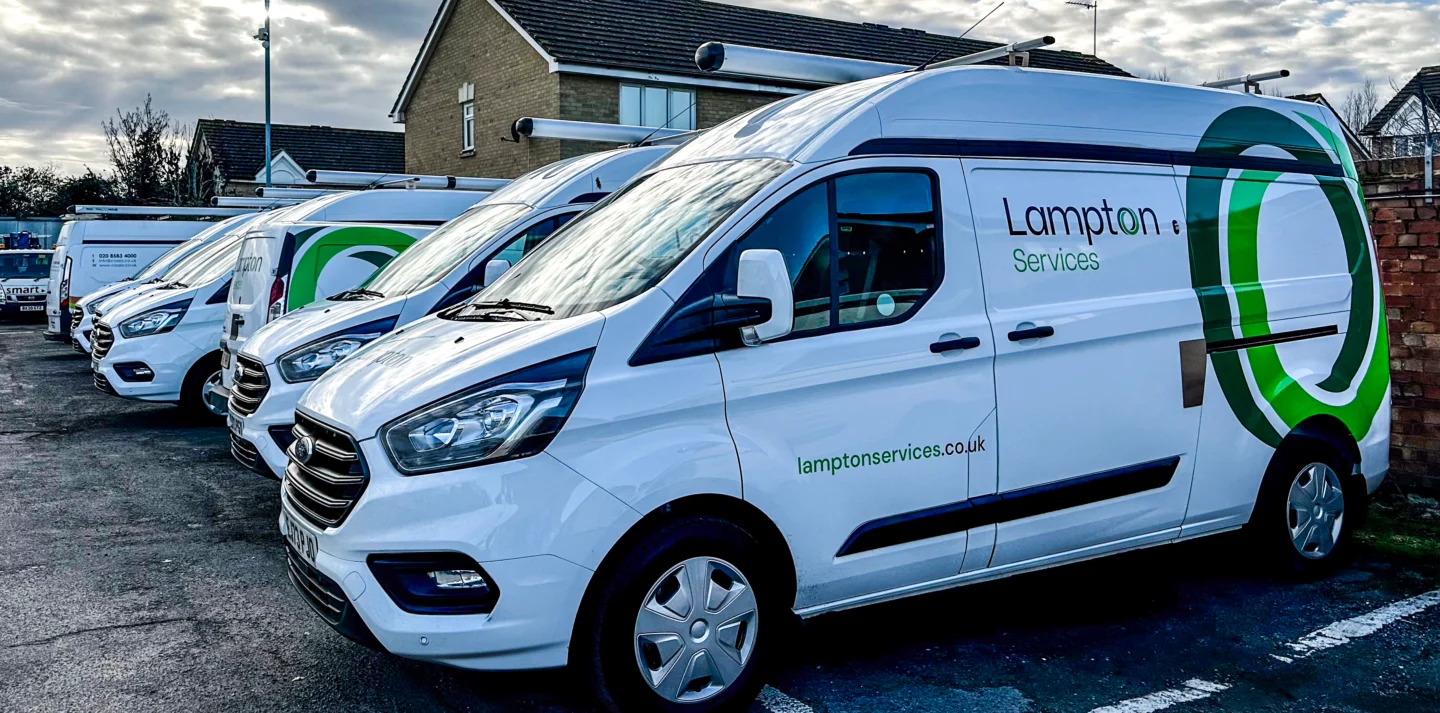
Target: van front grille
[[101, 340], [103, 384], [321, 592], [325, 487], [75, 321], [251, 385]]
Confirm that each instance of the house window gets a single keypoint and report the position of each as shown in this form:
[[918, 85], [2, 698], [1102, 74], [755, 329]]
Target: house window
[[467, 126], [657, 107]]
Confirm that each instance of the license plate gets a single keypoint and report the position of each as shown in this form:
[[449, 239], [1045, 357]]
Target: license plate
[[224, 358], [236, 427], [303, 542], [32, 308]]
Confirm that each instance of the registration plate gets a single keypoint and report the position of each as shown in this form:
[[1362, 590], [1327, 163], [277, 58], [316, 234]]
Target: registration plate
[[301, 540], [236, 426], [32, 308], [224, 358]]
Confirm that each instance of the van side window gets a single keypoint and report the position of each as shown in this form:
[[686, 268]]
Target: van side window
[[522, 245], [884, 262]]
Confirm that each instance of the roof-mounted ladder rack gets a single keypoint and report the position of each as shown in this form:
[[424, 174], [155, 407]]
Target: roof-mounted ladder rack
[[592, 131], [360, 179], [155, 211], [1251, 82], [761, 62]]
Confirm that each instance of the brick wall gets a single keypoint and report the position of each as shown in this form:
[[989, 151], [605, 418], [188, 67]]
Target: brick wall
[[511, 81], [1407, 237]]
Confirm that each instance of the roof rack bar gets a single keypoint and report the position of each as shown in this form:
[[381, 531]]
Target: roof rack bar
[[404, 180], [587, 131], [825, 69], [272, 192], [253, 203], [996, 53], [150, 210], [1251, 82], [794, 66]]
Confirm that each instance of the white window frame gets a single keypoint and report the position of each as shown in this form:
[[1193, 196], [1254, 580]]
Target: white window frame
[[467, 126], [680, 113]]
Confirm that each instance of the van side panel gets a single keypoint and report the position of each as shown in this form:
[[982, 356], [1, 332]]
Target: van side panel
[[332, 260]]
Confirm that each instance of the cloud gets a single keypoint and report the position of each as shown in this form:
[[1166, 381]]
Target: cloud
[[341, 62]]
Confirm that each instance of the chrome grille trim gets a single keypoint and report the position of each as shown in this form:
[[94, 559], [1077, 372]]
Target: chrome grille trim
[[325, 489], [322, 593], [101, 340], [251, 386]]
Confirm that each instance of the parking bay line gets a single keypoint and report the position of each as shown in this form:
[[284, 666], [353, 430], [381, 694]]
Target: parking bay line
[[1192, 690], [1346, 630], [777, 702]]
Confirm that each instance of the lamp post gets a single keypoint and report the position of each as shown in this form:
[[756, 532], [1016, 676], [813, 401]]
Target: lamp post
[[264, 36]]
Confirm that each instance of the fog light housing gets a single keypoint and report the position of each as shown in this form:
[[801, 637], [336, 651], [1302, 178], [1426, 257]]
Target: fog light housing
[[283, 436], [435, 583], [134, 371]]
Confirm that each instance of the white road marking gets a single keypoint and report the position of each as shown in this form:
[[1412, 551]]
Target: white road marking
[[777, 702], [1192, 690], [1343, 632]]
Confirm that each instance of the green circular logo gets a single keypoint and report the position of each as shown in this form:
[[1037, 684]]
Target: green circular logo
[[1232, 298]]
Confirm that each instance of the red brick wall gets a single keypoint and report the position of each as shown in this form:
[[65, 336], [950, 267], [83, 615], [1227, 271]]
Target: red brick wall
[[1407, 236]]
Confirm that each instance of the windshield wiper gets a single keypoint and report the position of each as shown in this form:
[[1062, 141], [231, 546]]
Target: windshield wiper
[[515, 306], [175, 286], [357, 294]]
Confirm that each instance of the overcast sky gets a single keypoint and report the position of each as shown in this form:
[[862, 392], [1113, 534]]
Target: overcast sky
[[66, 65]]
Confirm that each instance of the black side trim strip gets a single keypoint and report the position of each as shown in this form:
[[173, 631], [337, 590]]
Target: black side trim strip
[[978, 148], [1005, 507], [1230, 345]]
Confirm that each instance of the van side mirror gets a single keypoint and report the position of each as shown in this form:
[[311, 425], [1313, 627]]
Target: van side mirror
[[494, 269], [762, 274]]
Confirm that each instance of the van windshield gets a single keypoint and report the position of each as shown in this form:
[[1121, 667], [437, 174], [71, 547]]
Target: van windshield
[[431, 259], [632, 240], [24, 265], [207, 264]]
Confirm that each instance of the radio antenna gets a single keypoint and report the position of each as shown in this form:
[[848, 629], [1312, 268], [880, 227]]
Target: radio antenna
[[937, 54], [1094, 7]]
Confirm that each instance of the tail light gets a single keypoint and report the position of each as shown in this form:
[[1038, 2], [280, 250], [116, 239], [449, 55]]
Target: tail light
[[277, 300]]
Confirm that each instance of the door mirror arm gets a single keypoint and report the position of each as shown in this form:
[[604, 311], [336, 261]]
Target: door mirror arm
[[761, 275]]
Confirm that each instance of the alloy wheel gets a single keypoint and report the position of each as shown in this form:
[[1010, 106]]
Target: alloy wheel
[[211, 398]]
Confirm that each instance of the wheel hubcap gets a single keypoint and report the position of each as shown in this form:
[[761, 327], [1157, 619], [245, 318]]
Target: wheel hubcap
[[1316, 510], [213, 402], [696, 630]]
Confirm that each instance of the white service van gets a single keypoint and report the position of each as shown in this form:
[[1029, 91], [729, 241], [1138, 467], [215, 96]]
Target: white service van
[[91, 254], [326, 246], [160, 342], [87, 308], [24, 282], [882, 339], [286, 356]]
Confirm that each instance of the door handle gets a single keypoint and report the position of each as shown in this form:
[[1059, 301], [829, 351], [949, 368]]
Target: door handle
[[1032, 333], [952, 345]]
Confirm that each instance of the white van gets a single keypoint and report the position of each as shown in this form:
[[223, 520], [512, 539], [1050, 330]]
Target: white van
[[283, 358], [881, 339], [87, 308], [91, 254], [24, 282], [326, 246], [160, 342]]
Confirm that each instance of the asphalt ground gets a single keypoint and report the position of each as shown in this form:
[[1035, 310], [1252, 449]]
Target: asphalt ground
[[141, 569]]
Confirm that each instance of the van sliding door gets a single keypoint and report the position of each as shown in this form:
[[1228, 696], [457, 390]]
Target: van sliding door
[[1088, 291]]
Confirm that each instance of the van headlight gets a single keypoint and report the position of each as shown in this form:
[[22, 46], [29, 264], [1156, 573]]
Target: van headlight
[[157, 321], [310, 361], [513, 416]]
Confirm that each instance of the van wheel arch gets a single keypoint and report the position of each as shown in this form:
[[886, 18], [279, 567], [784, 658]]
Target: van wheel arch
[[1328, 430], [198, 372], [734, 510]]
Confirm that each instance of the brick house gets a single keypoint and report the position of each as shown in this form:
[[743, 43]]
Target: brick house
[[486, 63], [227, 158], [1398, 129]]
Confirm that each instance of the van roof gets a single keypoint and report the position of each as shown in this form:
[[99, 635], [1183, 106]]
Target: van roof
[[382, 205], [980, 103], [583, 179]]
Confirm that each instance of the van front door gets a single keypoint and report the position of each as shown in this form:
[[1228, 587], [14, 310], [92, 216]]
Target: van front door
[[1087, 280], [854, 432]]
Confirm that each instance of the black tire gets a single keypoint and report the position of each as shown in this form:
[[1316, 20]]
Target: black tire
[[192, 400], [603, 652], [1270, 523]]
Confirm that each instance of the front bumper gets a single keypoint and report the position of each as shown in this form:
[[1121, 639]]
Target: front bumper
[[168, 356], [536, 527]]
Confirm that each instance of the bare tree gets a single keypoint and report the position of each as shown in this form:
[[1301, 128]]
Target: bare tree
[[148, 152], [1360, 105], [1161, 76]]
